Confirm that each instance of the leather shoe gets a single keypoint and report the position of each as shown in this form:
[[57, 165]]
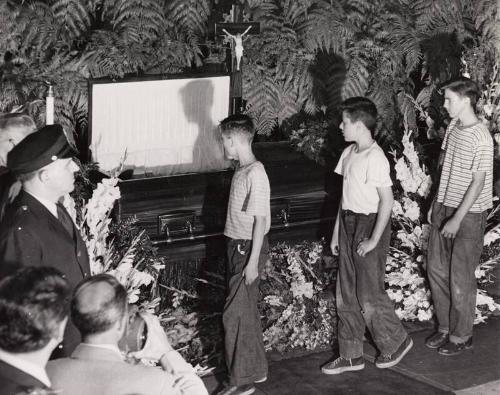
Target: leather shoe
[[437, 340], [455, 348]]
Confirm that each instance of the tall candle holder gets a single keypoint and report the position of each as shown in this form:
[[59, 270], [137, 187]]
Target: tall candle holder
[[49, 107]]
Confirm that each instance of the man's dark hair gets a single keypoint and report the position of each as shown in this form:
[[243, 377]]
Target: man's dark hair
[[98, 303], [238, 124], [33, 302], [361, 109], [463, 86]]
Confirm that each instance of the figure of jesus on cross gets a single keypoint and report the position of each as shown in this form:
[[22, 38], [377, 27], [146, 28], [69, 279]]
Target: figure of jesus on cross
[[238, 45]]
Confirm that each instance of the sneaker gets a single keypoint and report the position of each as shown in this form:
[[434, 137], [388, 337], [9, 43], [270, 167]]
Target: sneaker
[[343, 365], [437, 340], [261, 380], [455, 348], [389, 360]]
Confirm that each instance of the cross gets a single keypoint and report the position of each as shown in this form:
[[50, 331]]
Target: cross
[[236, 31]]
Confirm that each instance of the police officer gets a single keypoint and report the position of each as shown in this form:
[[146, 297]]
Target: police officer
[[36, 229]]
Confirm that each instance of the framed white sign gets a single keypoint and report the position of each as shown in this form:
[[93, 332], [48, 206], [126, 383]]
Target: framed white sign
[[166, 127]]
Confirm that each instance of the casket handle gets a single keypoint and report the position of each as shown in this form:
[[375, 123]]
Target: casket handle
[[177, 223], [189, 228], [166, 230], [284, 216]]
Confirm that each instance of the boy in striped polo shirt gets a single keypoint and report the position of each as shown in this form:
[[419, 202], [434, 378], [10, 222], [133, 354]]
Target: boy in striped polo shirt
[[458, 218], [247, 224]]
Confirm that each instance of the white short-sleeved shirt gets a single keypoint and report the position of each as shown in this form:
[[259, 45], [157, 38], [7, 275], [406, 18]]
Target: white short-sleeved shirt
[[249, 196], [363, 173], [466, 150]]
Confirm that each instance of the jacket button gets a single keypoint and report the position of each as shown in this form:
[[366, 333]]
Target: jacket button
[[79, 254]]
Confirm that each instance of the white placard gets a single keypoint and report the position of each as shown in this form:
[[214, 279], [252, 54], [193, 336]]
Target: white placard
[[166, 126]]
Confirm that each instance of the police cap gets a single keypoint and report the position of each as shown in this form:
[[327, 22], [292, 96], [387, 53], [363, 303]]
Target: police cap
[[39, 149]]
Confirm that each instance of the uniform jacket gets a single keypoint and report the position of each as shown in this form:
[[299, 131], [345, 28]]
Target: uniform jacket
[[98, 371], [7, 179], [14, 381], [31, 236]]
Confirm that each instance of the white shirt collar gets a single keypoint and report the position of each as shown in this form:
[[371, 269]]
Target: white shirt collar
[[28, 367], [110, 347], [51, 206]]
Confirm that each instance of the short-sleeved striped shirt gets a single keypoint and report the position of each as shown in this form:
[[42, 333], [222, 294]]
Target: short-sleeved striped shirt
[[249, 196], [466, 150]]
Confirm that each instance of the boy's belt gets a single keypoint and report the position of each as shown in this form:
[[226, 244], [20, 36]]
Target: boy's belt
[[350, 213]]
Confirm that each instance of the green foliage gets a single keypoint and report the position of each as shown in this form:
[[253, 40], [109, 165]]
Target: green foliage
[[309, 56], [66, 42]]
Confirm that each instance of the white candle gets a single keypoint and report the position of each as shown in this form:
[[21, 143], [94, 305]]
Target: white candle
[[49, 107]]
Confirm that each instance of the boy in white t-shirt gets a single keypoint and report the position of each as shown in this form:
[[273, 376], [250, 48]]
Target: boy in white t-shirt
[[361, 236]]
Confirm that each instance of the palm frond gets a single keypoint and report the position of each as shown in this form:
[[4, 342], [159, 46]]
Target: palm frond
[[189, 15], [71, 16]]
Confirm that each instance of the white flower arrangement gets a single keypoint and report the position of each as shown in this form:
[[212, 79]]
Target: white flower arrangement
[[409, 172], [94, 227], [407, 286], [296, 313], [405, 277]]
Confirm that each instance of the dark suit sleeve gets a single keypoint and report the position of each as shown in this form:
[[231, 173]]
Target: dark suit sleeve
[[19, 247]]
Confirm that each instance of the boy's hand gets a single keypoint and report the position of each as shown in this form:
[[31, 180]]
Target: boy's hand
[[251, 272], [450, 228], [365, 246]]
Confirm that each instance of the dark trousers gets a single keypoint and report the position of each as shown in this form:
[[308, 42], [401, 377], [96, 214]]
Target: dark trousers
[[361, 297], [244, 348], [450, 267]]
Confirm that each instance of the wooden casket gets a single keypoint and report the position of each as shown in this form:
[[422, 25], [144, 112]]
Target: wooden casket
[[177, 180]]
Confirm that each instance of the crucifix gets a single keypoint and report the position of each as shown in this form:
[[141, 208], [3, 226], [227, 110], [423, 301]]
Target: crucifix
[[238, 45], [236, 32]]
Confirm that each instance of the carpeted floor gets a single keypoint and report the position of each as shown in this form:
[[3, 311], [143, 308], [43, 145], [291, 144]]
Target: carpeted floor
[[422, 371], [474, 367]]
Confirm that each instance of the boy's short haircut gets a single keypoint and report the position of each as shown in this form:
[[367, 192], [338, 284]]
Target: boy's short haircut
[[361, 109], [238, 124], [15, 121], [463, 86]]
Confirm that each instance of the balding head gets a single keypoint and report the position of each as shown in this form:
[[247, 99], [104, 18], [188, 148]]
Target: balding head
[[99, 302], [14, 127]]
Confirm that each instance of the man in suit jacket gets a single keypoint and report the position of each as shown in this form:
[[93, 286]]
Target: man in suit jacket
[[36, 229], [33, 314], [97, 366]]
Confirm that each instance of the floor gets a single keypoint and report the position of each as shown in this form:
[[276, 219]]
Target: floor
[[422, 371]]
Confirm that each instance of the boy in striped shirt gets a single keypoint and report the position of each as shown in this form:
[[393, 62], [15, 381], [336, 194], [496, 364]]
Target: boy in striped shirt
[[458, 218], [247, 224]]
